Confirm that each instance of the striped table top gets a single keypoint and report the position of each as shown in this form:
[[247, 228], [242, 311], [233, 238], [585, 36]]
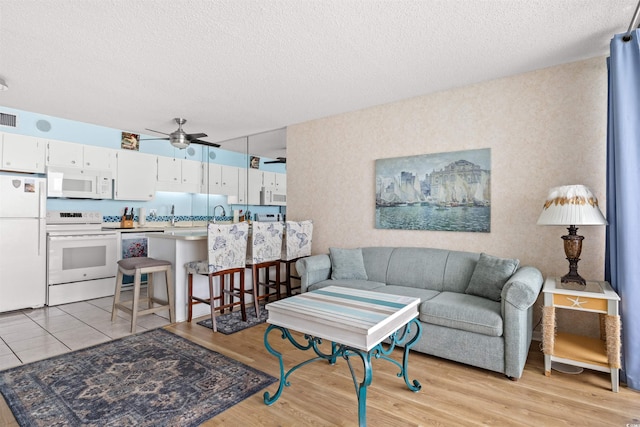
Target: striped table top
[[353, 317]]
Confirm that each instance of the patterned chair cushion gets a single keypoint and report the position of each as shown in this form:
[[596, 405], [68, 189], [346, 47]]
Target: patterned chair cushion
[[297, 240], [265, 242], [226, 246]]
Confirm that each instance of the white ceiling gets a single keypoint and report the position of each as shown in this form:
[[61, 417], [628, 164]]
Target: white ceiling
[[240, 67]]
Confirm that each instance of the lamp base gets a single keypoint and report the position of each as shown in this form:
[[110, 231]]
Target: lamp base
[[573, 277], [572, 249]]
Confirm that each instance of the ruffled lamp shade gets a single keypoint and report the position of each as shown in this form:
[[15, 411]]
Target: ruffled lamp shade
[[572, 205]]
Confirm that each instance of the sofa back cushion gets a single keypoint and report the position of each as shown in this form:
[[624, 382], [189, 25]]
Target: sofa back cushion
[[376, 262], [459, 269], [417, 267]]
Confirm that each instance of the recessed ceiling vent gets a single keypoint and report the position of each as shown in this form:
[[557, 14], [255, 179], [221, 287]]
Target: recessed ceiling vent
[[9, 120]]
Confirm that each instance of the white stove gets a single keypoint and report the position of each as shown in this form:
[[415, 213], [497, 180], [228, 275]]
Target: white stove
[[81, 257], [74, 223]]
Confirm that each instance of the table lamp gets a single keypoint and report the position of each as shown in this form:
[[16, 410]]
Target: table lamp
[[571, 205]]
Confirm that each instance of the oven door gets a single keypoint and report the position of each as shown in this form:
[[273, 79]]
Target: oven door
[[74, 258]]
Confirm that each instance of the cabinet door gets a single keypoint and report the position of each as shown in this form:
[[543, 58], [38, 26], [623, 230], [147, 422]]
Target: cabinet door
[[169, 170], [281, 182], [229, 180], [242, 186], [190, 175], [65, 154], [254, 186], [136, 176], [99, 158], [213, 181], [23, 153], [269, 179]]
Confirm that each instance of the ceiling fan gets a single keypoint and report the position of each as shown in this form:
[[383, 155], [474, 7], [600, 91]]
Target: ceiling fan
[[278, 160], [180, 139]]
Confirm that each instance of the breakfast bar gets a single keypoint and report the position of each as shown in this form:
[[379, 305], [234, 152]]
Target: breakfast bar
[[180, 247]]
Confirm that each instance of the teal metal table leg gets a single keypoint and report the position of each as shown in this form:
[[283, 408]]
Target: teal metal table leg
[[404, 336]]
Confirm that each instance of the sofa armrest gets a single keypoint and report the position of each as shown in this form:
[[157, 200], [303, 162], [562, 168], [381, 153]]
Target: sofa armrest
[[522, 289], [518, 296], [313, 269]]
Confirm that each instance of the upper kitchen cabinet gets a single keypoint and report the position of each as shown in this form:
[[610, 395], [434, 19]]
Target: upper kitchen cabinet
[[276, 181], [72, 155], [22, 153], [135, 176], [254, 186], [99, 158], [220, 179], [178, 175]]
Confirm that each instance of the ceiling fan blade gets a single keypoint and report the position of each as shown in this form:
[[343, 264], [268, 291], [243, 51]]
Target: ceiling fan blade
[[206, 143], [157, 131], [155, 139], [279, 160], [192, 136]]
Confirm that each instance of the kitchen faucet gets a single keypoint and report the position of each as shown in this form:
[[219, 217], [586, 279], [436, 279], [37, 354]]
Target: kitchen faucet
[[173, 215], [214, 212]]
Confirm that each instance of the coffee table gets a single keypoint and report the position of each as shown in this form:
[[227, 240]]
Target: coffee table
[[356, 322]]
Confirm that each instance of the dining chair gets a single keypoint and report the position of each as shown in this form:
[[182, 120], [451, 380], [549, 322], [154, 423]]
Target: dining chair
[[263, 252], [227, 251], [296, 244]]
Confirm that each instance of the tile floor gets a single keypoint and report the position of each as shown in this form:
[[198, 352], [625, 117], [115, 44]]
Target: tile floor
[[35, 334]]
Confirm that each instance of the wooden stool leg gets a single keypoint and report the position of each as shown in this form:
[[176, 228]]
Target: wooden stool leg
[[243, 307], [223, 295], [168, 274], [287, 278], [136, 299], [116, 295], [190, 297], [277, 279], [212, 304], [150, 296], [255, 289]]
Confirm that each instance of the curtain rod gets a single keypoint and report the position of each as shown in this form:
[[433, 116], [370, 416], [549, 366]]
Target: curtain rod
[[632, 24]]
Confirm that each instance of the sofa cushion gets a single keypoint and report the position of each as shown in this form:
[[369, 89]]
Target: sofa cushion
[[490, 275], [347, 264], [423, 294], [366, 285], [462, 311]]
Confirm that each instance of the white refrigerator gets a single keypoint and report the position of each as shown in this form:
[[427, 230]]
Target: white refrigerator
[[23, 244]]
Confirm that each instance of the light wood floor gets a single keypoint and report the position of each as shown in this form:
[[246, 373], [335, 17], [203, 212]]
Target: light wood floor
[[452, 394]]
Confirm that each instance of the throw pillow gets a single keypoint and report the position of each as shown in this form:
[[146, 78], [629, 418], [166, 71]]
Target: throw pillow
[[347, 264], [490, 275]]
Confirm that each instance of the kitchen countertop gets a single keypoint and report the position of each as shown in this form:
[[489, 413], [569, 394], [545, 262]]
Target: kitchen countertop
[[181, 235]]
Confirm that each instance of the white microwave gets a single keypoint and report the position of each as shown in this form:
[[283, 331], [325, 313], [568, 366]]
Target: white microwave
[[271, 197], [79, 183]]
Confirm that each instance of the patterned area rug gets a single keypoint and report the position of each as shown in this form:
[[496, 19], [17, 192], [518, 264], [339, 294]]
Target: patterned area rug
[[155, 378], [229, 323]]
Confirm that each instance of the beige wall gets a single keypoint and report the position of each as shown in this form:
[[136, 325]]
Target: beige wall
[[545, 128]]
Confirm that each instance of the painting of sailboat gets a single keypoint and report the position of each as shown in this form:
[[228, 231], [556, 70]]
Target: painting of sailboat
[[443, 191]]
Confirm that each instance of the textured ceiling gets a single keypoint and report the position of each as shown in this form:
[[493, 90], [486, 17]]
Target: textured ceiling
[[241, 67]]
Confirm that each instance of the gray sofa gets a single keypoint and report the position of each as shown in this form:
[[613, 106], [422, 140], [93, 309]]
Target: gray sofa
[[491, 333]]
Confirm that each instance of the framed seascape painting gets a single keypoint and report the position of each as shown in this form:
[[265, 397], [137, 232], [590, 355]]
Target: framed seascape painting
[[442, 191]]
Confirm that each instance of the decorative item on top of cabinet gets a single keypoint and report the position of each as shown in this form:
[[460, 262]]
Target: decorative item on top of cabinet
[[136, 176], [22, 153]]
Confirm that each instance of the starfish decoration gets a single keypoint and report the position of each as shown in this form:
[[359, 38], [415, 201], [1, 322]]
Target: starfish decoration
[[576, 302]]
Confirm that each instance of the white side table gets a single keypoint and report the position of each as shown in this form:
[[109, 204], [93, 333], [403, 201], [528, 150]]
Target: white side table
[[600, 354]]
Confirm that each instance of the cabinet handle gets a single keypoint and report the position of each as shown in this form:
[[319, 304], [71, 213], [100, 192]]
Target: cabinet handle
[[73, 162]]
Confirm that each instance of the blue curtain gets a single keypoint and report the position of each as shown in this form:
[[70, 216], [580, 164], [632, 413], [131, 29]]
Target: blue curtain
[[622, 259]]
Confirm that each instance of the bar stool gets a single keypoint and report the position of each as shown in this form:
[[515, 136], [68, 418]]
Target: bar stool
[[136, 267], [227, 251], [296, 244], [263, 252]]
